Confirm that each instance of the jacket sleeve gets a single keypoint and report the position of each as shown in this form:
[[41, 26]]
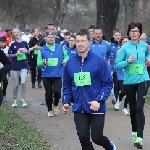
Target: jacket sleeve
[[39, 60], [66, 57], [67, 86], [6, 63], [106, 81], [121, 60]]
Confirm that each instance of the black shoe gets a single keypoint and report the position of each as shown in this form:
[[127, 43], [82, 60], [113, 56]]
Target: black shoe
[[33, 85], [39, 85]]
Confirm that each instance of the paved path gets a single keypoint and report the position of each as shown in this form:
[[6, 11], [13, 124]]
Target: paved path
[[60, 131]]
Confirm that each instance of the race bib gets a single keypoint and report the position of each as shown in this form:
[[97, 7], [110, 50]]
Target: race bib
[[35, 51], [82, 78], [136, 68], [22, 56], [52, 62]]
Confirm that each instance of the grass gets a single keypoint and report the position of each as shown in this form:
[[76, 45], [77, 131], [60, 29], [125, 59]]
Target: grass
[[17, 134], [148, 97]]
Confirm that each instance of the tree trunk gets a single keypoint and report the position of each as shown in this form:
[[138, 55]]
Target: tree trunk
[[129, 12], [107, 14]]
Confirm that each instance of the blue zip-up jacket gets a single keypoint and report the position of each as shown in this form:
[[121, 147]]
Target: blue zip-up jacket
[[114, 47], [14, 47], [45, 53], [141, 52], [70, 51], [101, 48], [99, 90]]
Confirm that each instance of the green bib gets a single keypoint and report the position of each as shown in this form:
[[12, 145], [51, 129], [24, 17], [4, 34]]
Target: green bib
[[82, 78], [136, 68], [35, 51], [52, 62], [22, 56]]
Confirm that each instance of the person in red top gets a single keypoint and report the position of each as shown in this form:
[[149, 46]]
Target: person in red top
[[8, 36]]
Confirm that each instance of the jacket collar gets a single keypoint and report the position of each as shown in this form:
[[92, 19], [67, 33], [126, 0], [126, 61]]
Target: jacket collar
[[88, 55], [114, 42], [100, 42], [69, 47]]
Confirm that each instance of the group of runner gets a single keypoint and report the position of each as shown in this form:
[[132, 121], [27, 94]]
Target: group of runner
[[91, 69]]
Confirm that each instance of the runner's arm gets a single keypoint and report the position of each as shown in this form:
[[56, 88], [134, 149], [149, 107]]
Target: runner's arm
[[67, 87], [39, 60], [65, 56]]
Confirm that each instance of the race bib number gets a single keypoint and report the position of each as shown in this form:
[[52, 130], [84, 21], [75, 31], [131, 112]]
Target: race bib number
[[52, 62], [136, 68], [22, 56], [82, 78]]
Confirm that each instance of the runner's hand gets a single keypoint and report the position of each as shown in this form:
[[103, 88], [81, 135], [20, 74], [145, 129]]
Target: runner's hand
[[131, 59], [94, 105], [108, 63], [64, 64], [44, 61], [18, 53], [147, 61], [65, 108], [36, 47], [24, 50]]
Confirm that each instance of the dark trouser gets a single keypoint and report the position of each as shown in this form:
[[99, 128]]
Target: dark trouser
[[122, 88], [53, 89], [116, 85], [33, 72], [136, 106], [148, 70], [5, 83], [83, 124]]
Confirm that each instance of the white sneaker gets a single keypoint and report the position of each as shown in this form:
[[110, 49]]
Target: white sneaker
[[125, 112], [117, 105], [50, 114]]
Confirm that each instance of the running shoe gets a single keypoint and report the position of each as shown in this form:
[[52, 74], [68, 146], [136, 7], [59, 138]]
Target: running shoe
[[56, 111], [117, 105], [24, 104], [50, 114], [138, 143], [14, 105], [125, 112]]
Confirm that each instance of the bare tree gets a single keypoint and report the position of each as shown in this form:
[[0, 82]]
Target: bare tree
[[107, 14], [129, 11], [15, 11], [58, 10]]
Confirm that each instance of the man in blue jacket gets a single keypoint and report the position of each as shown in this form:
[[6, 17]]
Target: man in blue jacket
[[87, 79], [98, 45]]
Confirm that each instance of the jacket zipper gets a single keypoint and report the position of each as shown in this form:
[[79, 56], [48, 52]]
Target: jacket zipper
[[137, 52], [81, 88]]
